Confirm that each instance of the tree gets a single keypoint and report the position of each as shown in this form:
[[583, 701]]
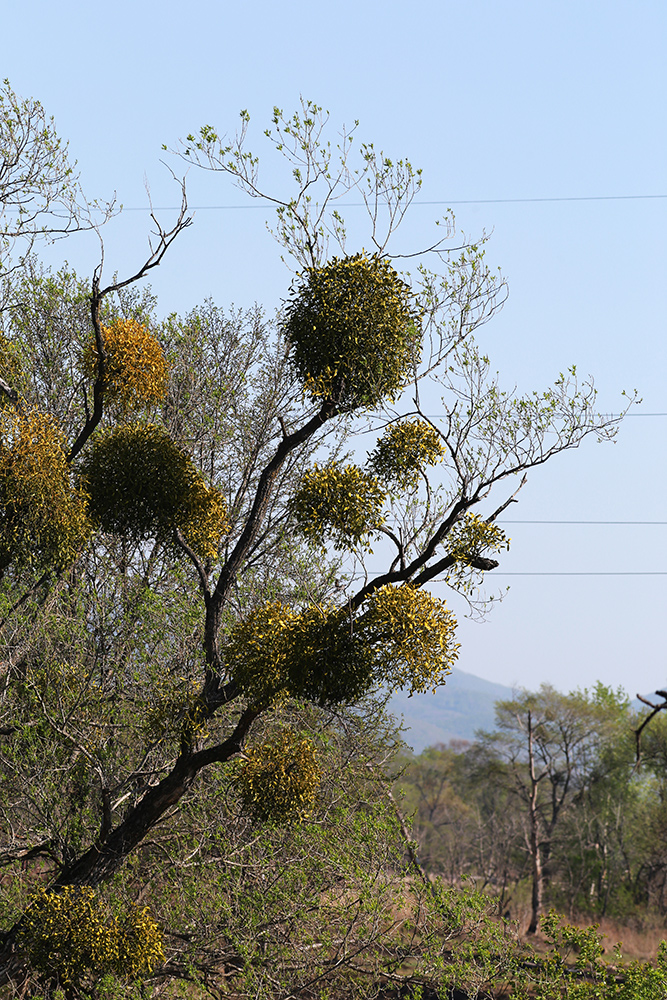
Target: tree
[[548, 749], [184, 537], [40, 193], [465, 822]]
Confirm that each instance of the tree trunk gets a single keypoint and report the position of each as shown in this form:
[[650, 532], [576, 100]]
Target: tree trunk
[[535, 846], [101, 861], [538, 881]]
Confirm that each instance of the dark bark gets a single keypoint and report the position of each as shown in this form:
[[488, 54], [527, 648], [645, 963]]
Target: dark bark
[[253, 524], [535, 845], [101, 861]]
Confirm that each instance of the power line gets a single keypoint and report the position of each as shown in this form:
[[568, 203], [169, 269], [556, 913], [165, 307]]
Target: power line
[[503, 521], [526, 201], [607, 416], [584, 573], [259, 203], [492, 574]]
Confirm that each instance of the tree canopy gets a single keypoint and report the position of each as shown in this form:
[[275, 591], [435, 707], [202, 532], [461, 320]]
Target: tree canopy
[[187, 512]]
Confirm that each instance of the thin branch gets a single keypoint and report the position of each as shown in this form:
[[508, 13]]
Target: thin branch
[[649, 717]]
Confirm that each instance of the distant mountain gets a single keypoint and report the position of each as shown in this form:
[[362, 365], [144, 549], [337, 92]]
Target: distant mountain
[[455, 711]]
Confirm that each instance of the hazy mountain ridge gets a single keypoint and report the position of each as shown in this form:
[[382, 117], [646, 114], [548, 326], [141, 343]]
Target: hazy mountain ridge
[[463, 705], [455, 711]]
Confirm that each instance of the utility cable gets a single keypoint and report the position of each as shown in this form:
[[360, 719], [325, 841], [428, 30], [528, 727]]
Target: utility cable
[[259, 203]]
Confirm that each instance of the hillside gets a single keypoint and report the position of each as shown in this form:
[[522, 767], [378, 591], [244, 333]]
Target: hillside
[[456, 710]]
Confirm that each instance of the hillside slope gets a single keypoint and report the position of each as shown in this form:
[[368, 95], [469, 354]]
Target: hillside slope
[[456, 710]]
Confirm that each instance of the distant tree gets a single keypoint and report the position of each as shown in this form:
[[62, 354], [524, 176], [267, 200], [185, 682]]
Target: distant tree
[[431, 794], [40, 193], [549, 750], [177, 505]]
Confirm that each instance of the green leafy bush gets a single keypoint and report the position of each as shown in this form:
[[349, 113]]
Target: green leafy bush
[[43, 520], [279, 779], [354, 331], [413, 633], [136, 369], [340, 503], [403, 451], [141, 484], [276, 651]]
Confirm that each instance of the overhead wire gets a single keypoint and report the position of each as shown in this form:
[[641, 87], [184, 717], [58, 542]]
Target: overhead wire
[[581, 573], [260, 203]]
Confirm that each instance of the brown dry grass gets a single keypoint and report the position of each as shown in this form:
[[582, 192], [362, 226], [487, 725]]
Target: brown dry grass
[[638, 939]]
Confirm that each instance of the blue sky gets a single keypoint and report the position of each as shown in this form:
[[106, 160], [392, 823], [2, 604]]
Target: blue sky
[[494, 100]]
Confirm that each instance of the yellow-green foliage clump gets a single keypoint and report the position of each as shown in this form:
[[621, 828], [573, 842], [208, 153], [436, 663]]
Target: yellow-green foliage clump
[[331, 661], [413, 635], [279, 779], [342, 504], [472, 536], [43, 521], [135, 370], [313, 654], [403, 451], [404, 638], [68, 937], [257, 653], [141, 484], [354, 331]]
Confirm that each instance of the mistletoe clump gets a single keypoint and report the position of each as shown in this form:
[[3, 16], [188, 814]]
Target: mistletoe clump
[[257, 652], [331, 661], [68, 937], [354, 331], [472, 537], [43, 520], [403, 451], [279, 779], [342, 504], [314, 654], [135, 369], [329, 656], [413, 634], [142, 485]]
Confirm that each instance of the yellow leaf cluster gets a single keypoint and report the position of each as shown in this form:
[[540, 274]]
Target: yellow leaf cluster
[[258, 651], [403, 451], [331, 661], [43, 521], [68, 937], [473, 536], [354, 331], [412, 633], [313, 654], [404, 638], [279, 779], [141, 484], [135, 371], [338, 503]]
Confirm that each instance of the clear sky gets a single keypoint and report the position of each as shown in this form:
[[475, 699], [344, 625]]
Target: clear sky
[[495, 100]]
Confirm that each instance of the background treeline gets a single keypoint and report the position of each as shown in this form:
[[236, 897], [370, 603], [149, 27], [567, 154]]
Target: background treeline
[[552, 808]]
